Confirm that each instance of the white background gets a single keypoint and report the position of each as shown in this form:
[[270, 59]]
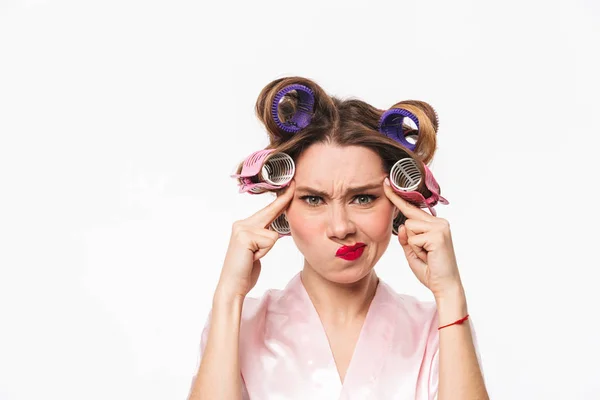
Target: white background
[[120, 122]]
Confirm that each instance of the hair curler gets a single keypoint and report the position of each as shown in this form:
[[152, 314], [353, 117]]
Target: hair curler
[[391, 123], [265, 170], [407, 181], [281, 225], [304, 108], [399, 220]]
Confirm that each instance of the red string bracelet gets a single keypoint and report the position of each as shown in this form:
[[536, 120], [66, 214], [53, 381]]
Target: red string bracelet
[[460, 321]]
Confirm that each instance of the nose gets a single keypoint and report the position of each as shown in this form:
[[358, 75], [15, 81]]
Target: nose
[[340, 224]]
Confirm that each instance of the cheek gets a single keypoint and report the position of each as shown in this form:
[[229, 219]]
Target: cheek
[[304, 228], [377, 224]]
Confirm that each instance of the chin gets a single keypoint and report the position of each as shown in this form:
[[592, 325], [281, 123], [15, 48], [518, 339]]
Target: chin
[[346, 275]]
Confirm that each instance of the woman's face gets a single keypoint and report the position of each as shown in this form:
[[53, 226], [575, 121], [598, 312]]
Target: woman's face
[[339, 201]]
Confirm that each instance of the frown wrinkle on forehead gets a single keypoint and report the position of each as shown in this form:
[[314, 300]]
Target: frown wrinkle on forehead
[[354, 190], [334, 171]]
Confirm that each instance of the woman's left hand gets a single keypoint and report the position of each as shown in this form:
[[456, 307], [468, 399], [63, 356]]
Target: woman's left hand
[[427, 244]]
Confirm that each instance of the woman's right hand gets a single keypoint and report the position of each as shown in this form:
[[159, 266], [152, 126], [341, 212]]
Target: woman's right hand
[[250, 241]]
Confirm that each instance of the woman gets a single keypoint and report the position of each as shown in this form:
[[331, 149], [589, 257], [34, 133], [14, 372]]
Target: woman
[[336, 331]]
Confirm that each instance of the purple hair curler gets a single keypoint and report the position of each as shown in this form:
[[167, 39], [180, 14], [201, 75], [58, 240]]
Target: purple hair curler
[[391, 123], [264, 170], [405, 178], [303, 115]]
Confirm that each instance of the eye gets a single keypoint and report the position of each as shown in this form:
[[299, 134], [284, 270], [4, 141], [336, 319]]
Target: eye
[[365, 199], [312, 201]]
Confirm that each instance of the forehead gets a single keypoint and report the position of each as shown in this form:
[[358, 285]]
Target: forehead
[[323, 163]]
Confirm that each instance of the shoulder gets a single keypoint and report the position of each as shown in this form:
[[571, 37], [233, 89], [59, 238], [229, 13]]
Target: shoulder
[[414, 322], [276, 302], [408, 308], [254, 314], [412, 307], [257, 306]]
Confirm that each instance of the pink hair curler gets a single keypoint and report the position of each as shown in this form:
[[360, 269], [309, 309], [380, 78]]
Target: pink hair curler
[[265, 170], [406, 178]]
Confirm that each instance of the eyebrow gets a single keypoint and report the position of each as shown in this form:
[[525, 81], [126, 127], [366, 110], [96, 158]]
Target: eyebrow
[[353, 190]]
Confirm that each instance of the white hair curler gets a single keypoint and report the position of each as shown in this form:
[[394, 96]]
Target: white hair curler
[[281, 225], [278, 170], [406, 178], [265, 170], [405, 175], [399, 220]]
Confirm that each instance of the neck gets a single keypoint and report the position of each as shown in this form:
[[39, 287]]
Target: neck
[[339, 303]]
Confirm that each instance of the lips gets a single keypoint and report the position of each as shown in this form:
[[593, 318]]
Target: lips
[[351, 252]]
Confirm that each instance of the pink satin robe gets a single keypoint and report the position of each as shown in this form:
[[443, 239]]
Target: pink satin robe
[[285, 353]]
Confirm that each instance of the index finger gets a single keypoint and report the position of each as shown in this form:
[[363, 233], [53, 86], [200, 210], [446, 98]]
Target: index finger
[[265, 216], [409, 210]]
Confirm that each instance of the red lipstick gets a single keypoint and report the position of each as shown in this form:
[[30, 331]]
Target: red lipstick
[[351, 252]]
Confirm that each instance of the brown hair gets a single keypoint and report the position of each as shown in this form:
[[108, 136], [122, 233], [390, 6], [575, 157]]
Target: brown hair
[[349, 122], [345, 123]]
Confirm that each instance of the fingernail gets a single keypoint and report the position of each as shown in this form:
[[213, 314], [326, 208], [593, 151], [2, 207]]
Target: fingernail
[[386, 182]]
